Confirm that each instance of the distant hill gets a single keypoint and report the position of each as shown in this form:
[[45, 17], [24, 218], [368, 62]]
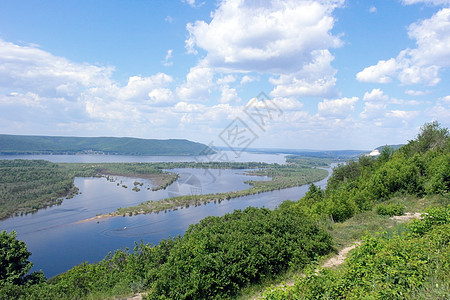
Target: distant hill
[[377, 151], [22, 144], [395, 147]]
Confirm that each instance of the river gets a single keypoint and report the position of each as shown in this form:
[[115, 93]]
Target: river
[[58, 241]]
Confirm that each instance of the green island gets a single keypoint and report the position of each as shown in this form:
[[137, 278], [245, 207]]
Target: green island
[[28, 185], [279, 254], [282, 176]]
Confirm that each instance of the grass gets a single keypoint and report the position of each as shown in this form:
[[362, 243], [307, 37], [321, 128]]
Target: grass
[[350, 231]]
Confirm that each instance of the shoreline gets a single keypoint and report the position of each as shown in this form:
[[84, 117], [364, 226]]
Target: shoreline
[[175, 203]]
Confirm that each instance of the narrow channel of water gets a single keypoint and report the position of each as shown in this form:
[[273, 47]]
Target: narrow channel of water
[[58, 241]]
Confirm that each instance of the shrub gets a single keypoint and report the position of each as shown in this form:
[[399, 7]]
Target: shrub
[[390, 209]]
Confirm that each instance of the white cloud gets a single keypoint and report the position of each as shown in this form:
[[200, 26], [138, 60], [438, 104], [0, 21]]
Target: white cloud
[[166, 62], [373, 111], [338, 108], [288, 104], [247, 79], [193, 3], [373, 9], [287, 38], [380, 73], [419, 65], [441, 111], [198, 85], [226, 79], [314, 79], [430, 2], [161, 96], [228, 95], [31, 69], [139, 87], [376, 95], [416, 93]]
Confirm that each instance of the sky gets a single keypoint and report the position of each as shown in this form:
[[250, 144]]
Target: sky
[[297, 74]]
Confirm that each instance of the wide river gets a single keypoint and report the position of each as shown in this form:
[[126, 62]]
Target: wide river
[[58, 240]]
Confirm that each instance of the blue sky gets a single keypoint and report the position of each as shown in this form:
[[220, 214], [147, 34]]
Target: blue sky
[[352, 74]]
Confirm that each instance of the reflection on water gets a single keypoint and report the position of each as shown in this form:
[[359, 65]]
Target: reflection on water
[[58, 241]]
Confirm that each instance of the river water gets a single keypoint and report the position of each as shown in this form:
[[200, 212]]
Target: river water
[[58, 240]]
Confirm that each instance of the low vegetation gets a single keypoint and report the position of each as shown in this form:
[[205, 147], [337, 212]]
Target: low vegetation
[[29, 185], [412, 264], [281, 177], [220, 256], [214, 259]]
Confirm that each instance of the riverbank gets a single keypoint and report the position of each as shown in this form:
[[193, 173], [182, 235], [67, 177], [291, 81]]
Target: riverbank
[[282, 177]]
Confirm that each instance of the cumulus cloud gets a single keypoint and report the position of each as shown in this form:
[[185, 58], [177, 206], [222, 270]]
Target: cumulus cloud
[[198, 85], [377, 110], [288, 38], [28, 68], [379, 73], [375, 95], [338, 108], [54, 93], [419, 65], [315, 79]]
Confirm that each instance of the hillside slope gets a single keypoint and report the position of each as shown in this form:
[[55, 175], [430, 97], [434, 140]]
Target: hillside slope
[[22, 144]]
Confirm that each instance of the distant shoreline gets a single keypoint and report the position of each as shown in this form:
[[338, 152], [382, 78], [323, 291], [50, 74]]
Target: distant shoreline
[[10, 153]]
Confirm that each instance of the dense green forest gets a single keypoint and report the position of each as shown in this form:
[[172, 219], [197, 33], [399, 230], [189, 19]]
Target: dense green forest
[[26, 186], [22, 144], [221, 257]]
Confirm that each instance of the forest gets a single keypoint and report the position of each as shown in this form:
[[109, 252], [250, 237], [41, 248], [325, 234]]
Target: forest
[[235, 255], [23, 144]]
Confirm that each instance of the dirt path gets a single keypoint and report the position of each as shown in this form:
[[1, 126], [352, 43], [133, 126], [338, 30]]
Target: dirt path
[[136, 297], [335, 260], [340, 258]]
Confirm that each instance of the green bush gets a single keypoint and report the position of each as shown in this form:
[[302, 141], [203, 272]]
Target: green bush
[[407, 266], [218, 256], [390, 209]]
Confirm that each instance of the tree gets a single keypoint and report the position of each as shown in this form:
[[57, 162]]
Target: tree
[[14, 263], [431, 137]]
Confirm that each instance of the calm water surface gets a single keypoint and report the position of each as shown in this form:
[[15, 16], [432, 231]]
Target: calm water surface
[[59, 241]]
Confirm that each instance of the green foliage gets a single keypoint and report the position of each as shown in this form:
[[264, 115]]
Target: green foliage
[[432, 216], [20, 144], [406, 266], [213, 260], [222, 254], [422, 167], [390, 209], [14, 263], [26, 186]]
